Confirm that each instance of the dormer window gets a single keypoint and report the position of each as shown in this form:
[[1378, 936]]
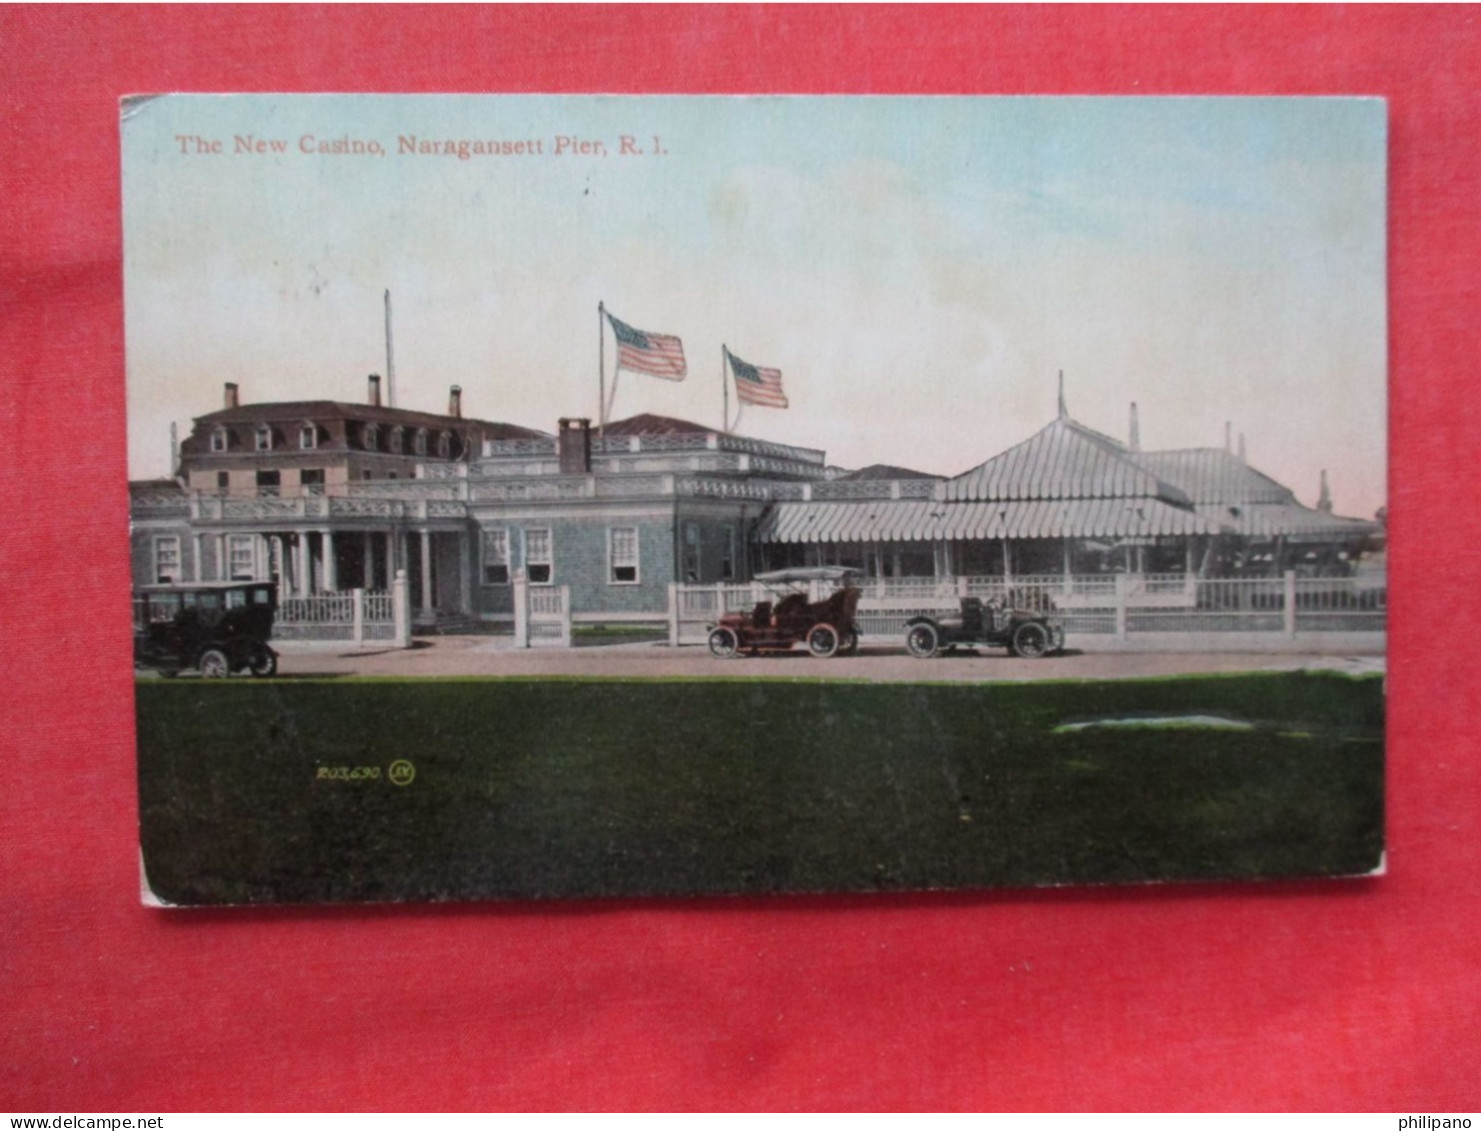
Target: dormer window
[[398, 440], [419, 441], [445, 445], [220, 440], [308, 435], [264, 438], [372, 437]]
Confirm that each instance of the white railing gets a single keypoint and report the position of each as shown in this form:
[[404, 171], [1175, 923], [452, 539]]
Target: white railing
[[1114, 604], [542, 614]]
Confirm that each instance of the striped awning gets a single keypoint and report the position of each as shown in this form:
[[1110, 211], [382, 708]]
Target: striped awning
[[927, 520], [1288, 520]]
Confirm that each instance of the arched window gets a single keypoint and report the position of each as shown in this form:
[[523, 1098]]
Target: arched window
[[220, 440], [398, 440], [371, 435], [445, 445], [308, 435], [264, 438], [419, 441]]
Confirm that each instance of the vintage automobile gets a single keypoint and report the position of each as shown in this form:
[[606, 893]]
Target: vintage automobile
[[1030, 633], [826, 627], [214, 627]]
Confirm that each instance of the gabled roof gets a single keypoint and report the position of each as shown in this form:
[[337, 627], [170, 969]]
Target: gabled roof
[[293, 412], [650, 424], [1063, 460], [887, 471], [1213, 475]]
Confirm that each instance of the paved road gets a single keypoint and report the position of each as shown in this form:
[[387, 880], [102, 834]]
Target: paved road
[[493, 656]]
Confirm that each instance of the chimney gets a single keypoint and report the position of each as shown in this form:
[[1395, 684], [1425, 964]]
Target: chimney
[[574, 445], [1135, 436], [455, 401], [1324, 503], [174, 448], [373, 390], [231, 394]]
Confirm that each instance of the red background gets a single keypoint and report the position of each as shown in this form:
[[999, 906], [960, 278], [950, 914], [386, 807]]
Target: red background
[[1355, 995]]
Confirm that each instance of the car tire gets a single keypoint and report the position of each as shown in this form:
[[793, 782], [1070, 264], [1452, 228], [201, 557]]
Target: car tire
[[922, 640], [214, 664], [850, 643], [724, 644], [1031, 640], [822, 640], [264, 664]]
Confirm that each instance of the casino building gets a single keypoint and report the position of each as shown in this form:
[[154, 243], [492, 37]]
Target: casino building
[[328, 496]]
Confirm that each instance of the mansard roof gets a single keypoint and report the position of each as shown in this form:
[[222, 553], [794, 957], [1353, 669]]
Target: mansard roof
[[292, 412], [1063, 460]]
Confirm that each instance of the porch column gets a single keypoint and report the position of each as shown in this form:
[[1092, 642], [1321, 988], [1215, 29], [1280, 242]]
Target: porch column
[[427, 572], [1068, 583], [326, 542], [390, 556], [197, 542], [367, 561], [301, 580], [221, 562]]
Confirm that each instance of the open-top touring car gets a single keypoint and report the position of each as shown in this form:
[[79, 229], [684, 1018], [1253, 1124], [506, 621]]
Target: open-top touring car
[[825, 626], [214, 627], [1029, 633]]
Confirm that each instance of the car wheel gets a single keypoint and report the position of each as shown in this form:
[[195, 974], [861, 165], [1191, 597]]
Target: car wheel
[[822, 641], [214, 664], [723, 643], [922, 640], [1030, 640], [850, 643], [264, 664]]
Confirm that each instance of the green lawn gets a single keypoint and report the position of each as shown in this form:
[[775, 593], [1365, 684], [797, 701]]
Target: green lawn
[[609, 787]]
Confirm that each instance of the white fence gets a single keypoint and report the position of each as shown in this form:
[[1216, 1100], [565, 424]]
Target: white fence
[[1119, 605], [358, 617], [542, 614]]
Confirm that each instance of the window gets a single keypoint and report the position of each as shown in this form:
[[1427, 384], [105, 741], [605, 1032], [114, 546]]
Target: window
[[445, 445], [220, 440], [264, 438], [223, 481], [371, 437], [367, 474], [496, 557], [308, 436], [167, 559], [269, 483], [622, 549], [691, 552], [312, 479], [397, 439], [538, 557], [240, 558], [727, 566], [419, 441]]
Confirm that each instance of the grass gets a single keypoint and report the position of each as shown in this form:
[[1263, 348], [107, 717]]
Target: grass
[[616, 788]]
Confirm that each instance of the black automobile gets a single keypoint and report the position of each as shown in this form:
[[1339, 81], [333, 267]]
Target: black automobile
[[1029, 633], [215, 628]]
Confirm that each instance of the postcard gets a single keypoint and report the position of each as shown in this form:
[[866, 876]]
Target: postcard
[[573, 497]]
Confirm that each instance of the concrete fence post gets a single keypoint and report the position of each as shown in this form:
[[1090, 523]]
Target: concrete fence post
[[521, 609], [1123, 589], [565, 616], [1288, 605], [357, 615], [673, 614], [401, 609]]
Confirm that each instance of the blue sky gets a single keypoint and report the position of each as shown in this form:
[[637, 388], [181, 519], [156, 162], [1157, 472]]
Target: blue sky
[[919, 269]]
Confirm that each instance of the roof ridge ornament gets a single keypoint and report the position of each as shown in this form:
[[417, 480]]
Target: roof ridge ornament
[[1063, 411]]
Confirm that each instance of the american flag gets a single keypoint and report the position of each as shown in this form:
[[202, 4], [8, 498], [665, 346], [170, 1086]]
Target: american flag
[[754, 385], [658, 355]]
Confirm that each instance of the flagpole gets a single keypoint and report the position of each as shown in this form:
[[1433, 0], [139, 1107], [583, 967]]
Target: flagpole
[[390, 357], [601, 373], [725, 393]]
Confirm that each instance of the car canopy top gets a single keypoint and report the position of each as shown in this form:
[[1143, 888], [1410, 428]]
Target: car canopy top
[[804, 574]]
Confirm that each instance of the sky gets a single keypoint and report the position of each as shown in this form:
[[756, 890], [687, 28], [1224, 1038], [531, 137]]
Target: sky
[[920, 269]]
